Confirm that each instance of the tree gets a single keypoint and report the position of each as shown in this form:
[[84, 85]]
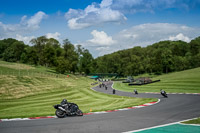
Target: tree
[[62, 65], [136, 65], [179, 63], [3, 47], [9, 55], [30, 56], [39, 45], [47, 50], [70, 54], [166, 57], [157, 61], [59, 52], [85, 62], [195, 46], [13, 53], [179, 48], [18, 47], [49, 55], [53, 42]]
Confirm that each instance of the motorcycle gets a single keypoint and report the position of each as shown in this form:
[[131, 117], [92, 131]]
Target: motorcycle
[[135, 91], [164, 94], [68, 109]]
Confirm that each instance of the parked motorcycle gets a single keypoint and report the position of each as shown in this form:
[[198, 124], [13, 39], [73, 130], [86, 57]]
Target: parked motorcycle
[[162, 92], [67, 109]]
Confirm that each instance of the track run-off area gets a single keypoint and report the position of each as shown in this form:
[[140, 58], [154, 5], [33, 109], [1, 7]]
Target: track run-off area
[[175, 108]]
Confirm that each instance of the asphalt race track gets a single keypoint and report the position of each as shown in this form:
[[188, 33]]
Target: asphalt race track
[[175, 108]]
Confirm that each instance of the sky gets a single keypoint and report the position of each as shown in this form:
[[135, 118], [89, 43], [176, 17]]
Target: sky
[[101, 26]]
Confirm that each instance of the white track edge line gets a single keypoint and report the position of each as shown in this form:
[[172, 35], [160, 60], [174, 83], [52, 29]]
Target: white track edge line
[[133, 131], [189, 124]]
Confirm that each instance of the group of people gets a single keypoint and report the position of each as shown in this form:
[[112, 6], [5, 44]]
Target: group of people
[[162, 92], [103, 85], [106, 88]]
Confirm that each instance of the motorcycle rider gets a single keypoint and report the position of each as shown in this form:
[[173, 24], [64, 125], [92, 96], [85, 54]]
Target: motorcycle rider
[[69, 106], [135, 91], [63, 102], [162, 92], [67, 109]]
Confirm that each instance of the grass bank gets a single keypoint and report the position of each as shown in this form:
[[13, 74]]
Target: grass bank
[[31, 95], [194, 121], [181, 82]]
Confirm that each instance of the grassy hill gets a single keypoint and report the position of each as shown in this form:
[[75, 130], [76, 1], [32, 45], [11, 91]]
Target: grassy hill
[[187, 81], [28, 91]]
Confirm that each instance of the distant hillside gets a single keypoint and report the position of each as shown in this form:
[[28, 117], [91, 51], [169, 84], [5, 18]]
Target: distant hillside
[[184, 82], [161, 57], [20, 80]]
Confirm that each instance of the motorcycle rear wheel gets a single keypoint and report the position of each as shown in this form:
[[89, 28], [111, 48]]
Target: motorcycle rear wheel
[[59, 113]]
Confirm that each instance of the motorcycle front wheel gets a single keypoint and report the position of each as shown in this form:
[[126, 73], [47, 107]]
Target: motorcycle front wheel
[[79, 113], [59, 113]]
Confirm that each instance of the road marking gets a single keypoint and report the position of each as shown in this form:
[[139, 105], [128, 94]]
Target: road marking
[[179, 122], [190, 124]]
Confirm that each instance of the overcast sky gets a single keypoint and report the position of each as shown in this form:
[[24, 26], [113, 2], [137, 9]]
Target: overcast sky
[[102, 26]]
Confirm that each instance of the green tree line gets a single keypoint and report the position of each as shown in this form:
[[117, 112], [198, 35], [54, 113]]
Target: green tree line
[[161, 57], [47, 52]]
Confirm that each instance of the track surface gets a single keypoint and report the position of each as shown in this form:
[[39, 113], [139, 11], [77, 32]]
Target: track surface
[[168, 110]]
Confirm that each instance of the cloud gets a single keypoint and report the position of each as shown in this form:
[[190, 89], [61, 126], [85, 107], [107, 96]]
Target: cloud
[[25, 26], [103, 50], [100, 43], [133, 6], [35, 20], [147, 34], [142, 35], [179, 36], [106, 3], [8, 27], [114, 11], [25, 39], [93, 14], [101, 38], [73, 24], [55, 35]]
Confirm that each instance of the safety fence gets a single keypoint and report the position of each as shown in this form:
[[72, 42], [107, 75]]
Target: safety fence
[[31, 74]]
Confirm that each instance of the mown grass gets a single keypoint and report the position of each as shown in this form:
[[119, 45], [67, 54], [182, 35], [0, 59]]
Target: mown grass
[[187, 81], [194, 121], [31, 95], [19, 69]]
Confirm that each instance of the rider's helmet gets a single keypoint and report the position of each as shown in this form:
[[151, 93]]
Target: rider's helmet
[[64, 101], [162, 91]]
